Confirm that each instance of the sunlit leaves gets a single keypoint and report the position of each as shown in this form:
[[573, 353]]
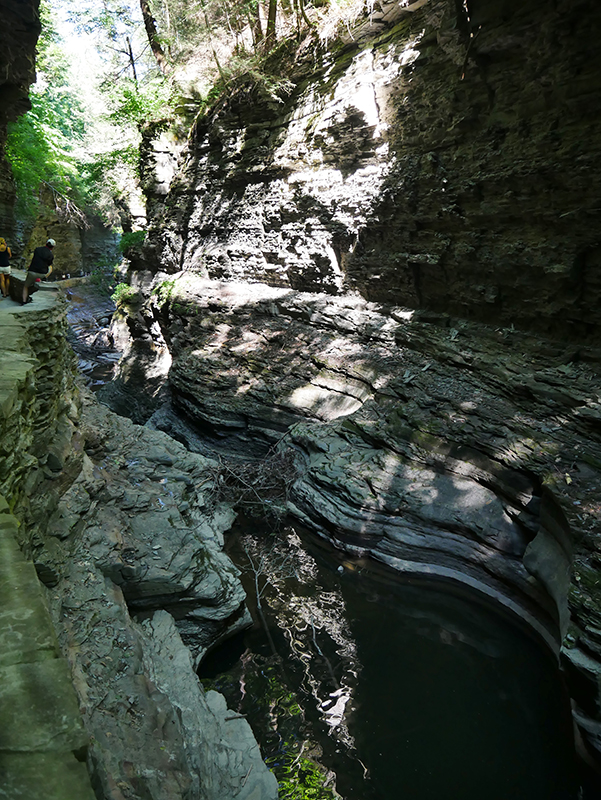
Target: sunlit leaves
[[111, 19], [135, 105], [40, 150]]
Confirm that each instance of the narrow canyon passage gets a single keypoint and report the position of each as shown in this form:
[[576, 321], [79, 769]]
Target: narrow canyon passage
[[308, 504], [393, 687]]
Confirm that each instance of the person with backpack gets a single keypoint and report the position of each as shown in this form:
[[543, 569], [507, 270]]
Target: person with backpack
[[41, 266], [5, 256]]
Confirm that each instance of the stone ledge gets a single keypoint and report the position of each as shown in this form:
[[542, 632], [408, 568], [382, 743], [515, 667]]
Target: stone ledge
[[26, 632], [38, 709], [43, 776], [41, 730]]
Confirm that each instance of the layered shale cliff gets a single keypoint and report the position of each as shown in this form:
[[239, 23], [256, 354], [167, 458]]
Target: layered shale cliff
[[444, 157], [392, 271], [18, 36]]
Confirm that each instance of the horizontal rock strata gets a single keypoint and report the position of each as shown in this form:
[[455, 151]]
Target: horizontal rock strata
[[18, 37], [435, 446], [443, 159]]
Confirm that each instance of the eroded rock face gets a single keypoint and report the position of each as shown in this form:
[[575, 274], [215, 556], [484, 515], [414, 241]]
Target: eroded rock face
[[123, 529], [435, 446], [134, 563], [444, 159]]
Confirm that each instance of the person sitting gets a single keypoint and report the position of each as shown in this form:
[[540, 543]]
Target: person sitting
[[41, 265], [5, 256]]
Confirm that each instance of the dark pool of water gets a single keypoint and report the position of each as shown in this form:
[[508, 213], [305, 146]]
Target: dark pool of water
[[409, 690], [454, 702]]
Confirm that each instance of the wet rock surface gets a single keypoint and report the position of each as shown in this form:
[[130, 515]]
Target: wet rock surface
[[89, 313]]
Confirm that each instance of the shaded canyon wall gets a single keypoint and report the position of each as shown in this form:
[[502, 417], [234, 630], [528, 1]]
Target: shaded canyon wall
[[442, 158], [18, 36]]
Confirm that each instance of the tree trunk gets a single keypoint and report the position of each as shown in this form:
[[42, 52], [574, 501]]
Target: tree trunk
[[257, 28], [132, 61], [270, 33], [153, 36]]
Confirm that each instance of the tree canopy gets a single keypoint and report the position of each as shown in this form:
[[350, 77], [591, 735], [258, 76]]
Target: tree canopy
[[107, 67]]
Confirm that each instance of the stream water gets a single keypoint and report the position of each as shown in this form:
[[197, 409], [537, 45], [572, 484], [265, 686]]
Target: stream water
[[89, 314], [363, 686]]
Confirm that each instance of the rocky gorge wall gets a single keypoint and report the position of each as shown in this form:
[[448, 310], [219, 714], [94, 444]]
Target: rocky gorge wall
[[18, 36], [317, 271], [98, 699], [114, 532], [442, 158], [442, 449]]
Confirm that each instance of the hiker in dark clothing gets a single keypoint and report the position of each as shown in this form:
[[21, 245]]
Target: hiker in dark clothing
[[5, 256], [41, 266]]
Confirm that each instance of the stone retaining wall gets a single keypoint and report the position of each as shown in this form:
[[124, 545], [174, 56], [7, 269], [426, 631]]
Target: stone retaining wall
[[43, 742]]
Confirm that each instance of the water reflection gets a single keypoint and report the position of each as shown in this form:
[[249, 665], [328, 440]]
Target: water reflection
[[454, 702], [396, 690]]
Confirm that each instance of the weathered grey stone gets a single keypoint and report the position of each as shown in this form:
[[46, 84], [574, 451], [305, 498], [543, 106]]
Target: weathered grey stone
[[222, 750], [26, 632], [434, 461], [396, 167], [548, 561]]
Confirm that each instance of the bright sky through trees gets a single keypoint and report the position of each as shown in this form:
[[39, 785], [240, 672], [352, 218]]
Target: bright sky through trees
[[108, 67]]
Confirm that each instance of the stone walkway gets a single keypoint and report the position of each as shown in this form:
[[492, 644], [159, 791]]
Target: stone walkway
[[42, 299], [43, 743]]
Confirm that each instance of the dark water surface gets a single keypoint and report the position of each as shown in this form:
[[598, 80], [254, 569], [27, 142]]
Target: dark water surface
[[403, 690], [453, 702]]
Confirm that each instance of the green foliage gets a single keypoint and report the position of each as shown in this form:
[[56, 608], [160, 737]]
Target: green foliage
[[136, 104], [112, 17], [129, 240], [245, 69], [124, 295], [164, 291], [81, 138], [42, 146]]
